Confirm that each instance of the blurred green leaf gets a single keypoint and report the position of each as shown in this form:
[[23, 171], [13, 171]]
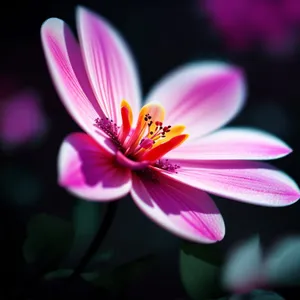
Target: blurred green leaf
[[58, 274], [119, 278], [113, 281], [64, 273], [243, 268], [200, 271], [104, 256], [87, 218], [129, 272], [210, 253], [90, 276], [283, 262], [257, 295], [49, 238]]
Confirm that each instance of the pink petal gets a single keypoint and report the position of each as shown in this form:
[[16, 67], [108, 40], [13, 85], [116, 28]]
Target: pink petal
[[202, 96], [22, 118], [247, 181], [68, 73], [232, 143], [186, 212], [111, 69], [90, 172]]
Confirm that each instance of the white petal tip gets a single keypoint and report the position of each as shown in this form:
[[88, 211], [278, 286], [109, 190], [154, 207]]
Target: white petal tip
[[286, 150], [292, 196], [296, 197], [50, 23], [81, 9]]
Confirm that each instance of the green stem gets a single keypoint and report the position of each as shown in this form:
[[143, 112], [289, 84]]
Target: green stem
[[96, 243]]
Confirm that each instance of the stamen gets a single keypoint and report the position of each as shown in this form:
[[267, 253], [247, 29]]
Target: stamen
[[142, 148], [145, 124], [110, 128], [174, 131], [151, 174], [166, 165], [159, 131], [146, 143], [147, 117]]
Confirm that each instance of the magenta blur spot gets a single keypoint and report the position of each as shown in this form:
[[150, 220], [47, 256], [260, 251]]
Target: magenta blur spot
[[245, 24], [22, 119]]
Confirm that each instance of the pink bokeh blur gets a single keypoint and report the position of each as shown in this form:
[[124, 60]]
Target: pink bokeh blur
[[22, 118], [244, 24]]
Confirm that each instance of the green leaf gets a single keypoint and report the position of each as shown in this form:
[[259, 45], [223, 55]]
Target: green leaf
[[58, 274], [90, 276], [113, 281], [129, 272], [119, 278], [49, 238], [87, 218], [211, 253], [200, 271], [64, 273]]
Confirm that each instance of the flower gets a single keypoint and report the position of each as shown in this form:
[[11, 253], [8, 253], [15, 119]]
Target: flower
[[244, 23], [167, 171]]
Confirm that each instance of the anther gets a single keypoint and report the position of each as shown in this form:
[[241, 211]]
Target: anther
[[109, 127], [146, 143], [167, 166]]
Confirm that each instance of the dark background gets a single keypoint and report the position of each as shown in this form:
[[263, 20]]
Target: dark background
[[162, 35]]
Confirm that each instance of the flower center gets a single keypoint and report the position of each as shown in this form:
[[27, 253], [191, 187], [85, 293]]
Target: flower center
[[148, 141]]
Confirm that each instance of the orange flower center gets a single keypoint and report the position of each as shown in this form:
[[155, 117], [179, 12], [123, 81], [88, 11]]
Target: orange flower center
[[149, 140]]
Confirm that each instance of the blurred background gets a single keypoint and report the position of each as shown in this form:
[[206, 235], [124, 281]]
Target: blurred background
[[260, 36]]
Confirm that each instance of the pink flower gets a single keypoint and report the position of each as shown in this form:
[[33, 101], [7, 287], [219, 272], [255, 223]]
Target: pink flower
[[167, 171], [244, 23], [22, 119]]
